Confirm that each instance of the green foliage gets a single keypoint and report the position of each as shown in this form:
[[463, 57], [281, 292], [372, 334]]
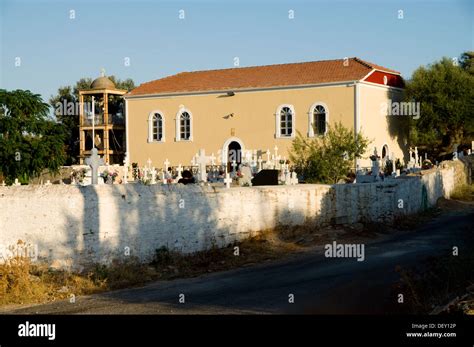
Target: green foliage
[[70, 94], [29, 141], [329, 158], [446, 93]]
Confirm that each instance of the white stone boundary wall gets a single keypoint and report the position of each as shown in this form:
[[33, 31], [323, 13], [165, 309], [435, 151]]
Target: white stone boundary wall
[[73, 226]]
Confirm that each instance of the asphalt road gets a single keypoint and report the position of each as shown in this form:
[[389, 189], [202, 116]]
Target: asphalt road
[[319, 284]]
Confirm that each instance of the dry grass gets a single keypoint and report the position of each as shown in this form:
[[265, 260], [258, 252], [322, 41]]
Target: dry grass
[[442, 284], [463, 192], [22, 282]]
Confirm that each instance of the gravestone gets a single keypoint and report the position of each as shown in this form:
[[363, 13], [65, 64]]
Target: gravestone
[[246, 173], [179, 170], [202, 161], [227, 180], [94, 161], [266, 178]]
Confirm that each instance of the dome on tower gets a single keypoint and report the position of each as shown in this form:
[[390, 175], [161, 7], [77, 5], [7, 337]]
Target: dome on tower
[[102, 83]]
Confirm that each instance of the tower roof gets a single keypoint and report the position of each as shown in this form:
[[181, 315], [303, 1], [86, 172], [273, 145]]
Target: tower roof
[[102, 83]]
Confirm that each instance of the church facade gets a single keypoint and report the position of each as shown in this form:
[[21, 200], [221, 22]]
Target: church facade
[[260, 108]]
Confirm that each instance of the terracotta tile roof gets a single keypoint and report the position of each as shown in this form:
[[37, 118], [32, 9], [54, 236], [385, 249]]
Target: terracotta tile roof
[[280, 75]]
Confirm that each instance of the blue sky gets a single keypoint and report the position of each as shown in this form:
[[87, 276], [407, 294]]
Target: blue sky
[[56, 50]]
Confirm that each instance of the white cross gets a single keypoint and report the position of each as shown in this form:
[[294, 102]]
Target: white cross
[[167, 164], [202, 160], [234, 165], [394, 166], [153, 175], [268, 155], [213, 159], [179, 170], [248, 156], [126, 164], [276, 150], [259, 163], [224, 157], [94, 161], [227, 180], [294, 178]]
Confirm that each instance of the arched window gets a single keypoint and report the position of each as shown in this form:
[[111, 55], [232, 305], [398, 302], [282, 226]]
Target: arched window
[[156, 127], [285, 121], [318, 119], [184, 125]]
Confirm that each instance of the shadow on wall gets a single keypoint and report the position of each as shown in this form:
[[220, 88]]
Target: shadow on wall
[[94, 224], [117, 221], [399, 125]]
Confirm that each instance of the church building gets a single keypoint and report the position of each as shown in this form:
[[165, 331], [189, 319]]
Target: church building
[[260, 108]]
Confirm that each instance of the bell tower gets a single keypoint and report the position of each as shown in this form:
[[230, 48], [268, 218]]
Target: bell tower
[[102, 121]]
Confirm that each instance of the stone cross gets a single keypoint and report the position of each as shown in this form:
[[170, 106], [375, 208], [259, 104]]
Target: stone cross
[[268, 155], [259, 163], [234, 165], [394, 166], [426, 155], [213, 159], [94, 161], [153, 175], [288, 178], [179, 170], [167, 164], [248, 156], [126, 164], [202, 160], [416, 155], [227, 180], [294, 178], [375, 165], [223, 156]]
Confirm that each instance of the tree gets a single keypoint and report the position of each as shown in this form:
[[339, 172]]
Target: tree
[[467, 62], [29, 141], [445, 91], [329, 158], [70, 94]]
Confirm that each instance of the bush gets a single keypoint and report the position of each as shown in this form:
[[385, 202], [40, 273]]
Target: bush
[[329, 158]]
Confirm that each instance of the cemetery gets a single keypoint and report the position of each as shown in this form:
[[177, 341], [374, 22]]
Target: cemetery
[[108, 208]]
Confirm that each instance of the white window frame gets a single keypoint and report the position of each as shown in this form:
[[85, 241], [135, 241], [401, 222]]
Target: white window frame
[[178, 125], [150, 127], [278, 134], [311, 118]]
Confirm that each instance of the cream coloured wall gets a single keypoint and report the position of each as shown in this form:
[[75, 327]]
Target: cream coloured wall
[[379, 127], [253, 121]]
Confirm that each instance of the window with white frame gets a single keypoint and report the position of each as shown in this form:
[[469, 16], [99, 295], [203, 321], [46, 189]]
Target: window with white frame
[[184, 125], [318, 120], [285, 121], [156, 127]]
